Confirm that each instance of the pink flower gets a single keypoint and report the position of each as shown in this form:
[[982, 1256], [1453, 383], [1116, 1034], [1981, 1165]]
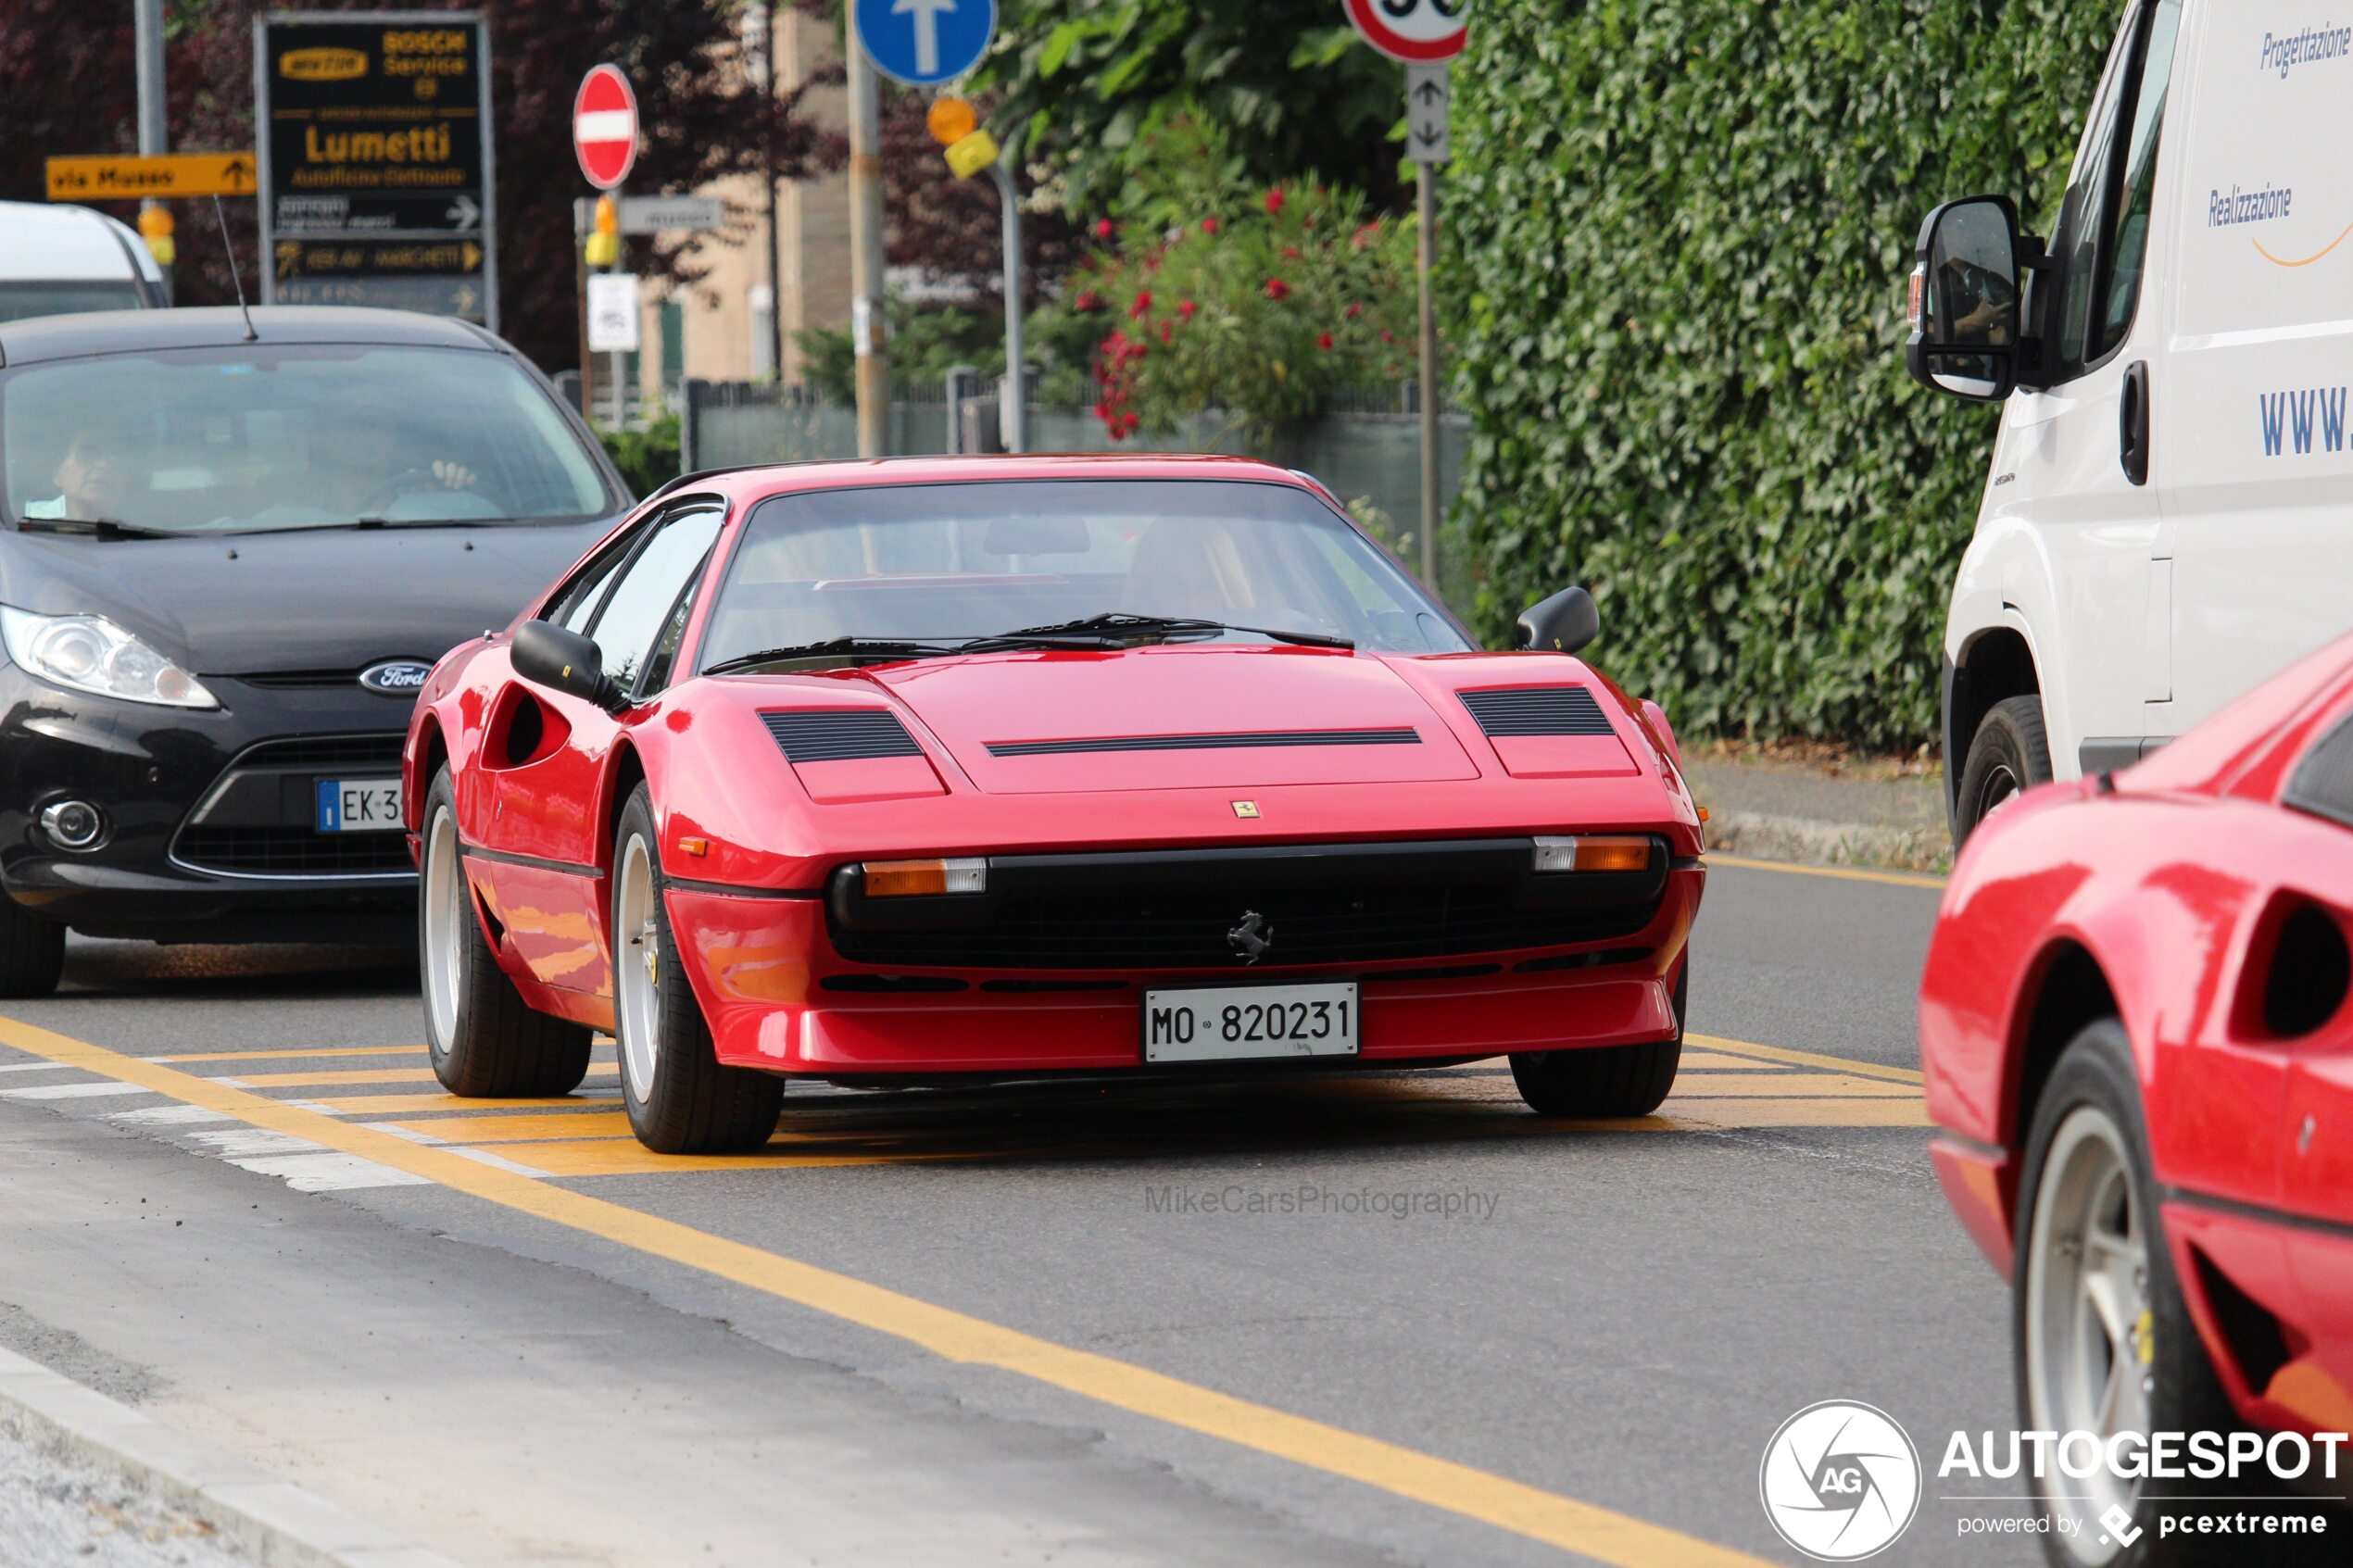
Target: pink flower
[[1388, 336], [1278, 290], [1105, 229], [1187, 309], [1167, 331], [1275, 199], [1090, 300], [1143, 303], [1291, 253], [1324, 341], [1355, 309], [1209, 225]]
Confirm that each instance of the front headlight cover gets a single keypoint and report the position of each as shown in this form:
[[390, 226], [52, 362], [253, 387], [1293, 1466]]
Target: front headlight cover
[[89, 653]]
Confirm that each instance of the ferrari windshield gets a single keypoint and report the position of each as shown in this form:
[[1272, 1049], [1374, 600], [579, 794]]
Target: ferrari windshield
[[948, 563], [201, 440]]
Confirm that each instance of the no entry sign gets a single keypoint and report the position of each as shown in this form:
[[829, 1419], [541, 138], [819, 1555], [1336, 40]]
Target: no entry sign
[[604, 127], [1412, 30]]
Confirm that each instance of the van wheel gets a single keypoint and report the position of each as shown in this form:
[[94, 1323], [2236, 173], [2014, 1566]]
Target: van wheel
[[2011, 756]]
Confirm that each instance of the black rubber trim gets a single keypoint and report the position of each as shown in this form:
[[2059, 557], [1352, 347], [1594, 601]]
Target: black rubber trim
[[2256, 1211], [1236, 741], [569, 868], [735, 890], [838, 734], [1687, 863], [1507, 711], [2105, 754]]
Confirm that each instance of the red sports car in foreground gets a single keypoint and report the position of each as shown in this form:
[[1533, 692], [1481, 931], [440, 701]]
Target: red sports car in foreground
[[2134, 1031], [897, 771]]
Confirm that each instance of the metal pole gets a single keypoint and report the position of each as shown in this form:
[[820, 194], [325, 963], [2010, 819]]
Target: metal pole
[[587, 360], [775, 242], [866, 324], [1426, 252], [620, 391], [154, 132], [1013, 401]]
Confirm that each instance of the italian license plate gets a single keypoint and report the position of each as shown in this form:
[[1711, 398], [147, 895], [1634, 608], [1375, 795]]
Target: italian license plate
[[1233, 1022], [360, 806]]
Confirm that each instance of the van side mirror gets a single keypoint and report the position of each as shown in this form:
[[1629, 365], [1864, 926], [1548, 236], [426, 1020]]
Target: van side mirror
[[1965, 320], [1563, 623], [546, 655]]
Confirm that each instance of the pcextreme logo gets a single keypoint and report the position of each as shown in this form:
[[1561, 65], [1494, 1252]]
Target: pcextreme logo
[[322, 65], [1841, 1481]]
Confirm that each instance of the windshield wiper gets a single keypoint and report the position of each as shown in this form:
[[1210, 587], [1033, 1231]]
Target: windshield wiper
[[837, 647], [1119, 628], [97, 528]]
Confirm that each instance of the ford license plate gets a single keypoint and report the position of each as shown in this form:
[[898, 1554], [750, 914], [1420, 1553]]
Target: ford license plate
[[360, 806], [1235, 1023]]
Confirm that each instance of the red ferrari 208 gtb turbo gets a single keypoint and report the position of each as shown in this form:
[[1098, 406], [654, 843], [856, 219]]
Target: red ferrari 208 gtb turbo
[[907, 771], [2137, 1046]]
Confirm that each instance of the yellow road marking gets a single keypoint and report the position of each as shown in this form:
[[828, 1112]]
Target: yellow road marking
[[1715, 1062], [1848, 874], [628, 1157], [408, 1105], [1787, 1085], [1676, 1114], [294, 1056], [1809, 1059], [355, 1075], [1598, 1533], [602, 1121]]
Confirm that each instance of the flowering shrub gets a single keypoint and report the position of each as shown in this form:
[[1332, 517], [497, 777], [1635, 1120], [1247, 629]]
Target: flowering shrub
[[1260, 312]]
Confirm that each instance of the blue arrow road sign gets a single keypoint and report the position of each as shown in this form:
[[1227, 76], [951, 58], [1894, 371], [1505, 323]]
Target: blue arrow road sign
[[924, 41]]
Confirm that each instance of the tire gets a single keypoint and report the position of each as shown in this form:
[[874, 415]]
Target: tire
[[1604, 1082], [32, 952], [2088, 1177], [2009, 755], [680, 1101], [486, 1042]]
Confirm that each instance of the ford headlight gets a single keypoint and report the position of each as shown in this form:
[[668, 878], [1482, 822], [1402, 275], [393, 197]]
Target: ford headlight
[[90, 653]]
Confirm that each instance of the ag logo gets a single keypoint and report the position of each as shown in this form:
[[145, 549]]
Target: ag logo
[[1841, 1481]]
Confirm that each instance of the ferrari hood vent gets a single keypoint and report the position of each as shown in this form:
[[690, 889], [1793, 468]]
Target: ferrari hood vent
[[839, 735], [1232, 741], [1537, 710]]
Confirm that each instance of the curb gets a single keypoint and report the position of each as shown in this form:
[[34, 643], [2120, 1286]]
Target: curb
[[281, 1523], [1832, 844]]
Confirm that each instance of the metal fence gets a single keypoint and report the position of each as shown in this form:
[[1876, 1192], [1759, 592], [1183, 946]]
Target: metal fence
[[1368, 451]]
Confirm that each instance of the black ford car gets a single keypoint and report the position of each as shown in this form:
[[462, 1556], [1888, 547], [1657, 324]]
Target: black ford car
[[228, 562]]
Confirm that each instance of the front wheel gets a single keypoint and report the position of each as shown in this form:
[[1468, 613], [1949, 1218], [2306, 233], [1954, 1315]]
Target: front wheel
[[1604, 1082], [2105, 1343], [680, 1099], [2009, 755], [486, 1041]]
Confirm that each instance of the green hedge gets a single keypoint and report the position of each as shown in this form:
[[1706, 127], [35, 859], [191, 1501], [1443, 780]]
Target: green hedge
[[1677, 232]]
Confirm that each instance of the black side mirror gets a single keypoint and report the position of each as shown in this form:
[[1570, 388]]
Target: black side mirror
[[1965, 320], [1563, 623], [546, 655]]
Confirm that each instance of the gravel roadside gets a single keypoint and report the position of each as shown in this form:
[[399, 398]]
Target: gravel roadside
[[57, 1512]]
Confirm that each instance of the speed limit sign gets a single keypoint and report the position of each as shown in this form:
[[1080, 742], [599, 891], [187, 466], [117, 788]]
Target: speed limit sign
[[1412, 30]]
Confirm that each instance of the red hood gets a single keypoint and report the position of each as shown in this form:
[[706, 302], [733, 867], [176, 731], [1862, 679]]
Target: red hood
[[1187, 716]]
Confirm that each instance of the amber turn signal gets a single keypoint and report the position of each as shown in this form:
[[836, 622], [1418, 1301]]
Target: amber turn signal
[[1621, 853], [908, 879]]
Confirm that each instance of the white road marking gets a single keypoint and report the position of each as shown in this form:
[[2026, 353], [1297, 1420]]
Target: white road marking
[[329, 1171], [317, 1108], [32, 1067], [169, 1116], [500, 1163], [240, 1143], [397, 1131], [74, 1091]]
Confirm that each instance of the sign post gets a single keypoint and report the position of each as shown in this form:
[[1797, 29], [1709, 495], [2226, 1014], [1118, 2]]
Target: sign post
[[1426, 35], [604, 139], [377, 179]]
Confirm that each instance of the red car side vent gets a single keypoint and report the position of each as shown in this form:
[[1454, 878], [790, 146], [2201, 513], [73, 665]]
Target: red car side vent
[[1537, 710], [839, 735]]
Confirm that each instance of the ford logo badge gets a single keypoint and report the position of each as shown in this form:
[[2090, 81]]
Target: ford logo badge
[[396, 677]]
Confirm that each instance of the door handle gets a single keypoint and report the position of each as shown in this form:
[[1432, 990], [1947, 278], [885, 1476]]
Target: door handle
[[2133, 422]]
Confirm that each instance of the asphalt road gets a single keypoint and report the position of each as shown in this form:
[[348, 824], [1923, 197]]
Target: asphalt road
[[1300, 1322]]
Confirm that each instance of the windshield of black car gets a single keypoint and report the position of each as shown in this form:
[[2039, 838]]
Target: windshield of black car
[[954, 561], [217, 440]]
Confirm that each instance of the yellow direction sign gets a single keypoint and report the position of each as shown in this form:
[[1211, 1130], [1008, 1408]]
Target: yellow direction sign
[[121, 176]]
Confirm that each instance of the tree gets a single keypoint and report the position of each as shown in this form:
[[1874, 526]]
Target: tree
[[67, 85], [1098, 84]]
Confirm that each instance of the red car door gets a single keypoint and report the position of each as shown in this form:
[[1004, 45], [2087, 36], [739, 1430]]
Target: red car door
[[551, 751]]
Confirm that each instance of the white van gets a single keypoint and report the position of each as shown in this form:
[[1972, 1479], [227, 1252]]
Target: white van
[[2169, 517], [54, 259]]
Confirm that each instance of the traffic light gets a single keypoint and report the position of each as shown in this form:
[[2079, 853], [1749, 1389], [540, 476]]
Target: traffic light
[[154, 227], [604, 242]]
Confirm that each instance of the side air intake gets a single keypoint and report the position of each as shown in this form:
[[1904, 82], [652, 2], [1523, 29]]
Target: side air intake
[[1236, 741], [1537, 710], [840, 734]]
